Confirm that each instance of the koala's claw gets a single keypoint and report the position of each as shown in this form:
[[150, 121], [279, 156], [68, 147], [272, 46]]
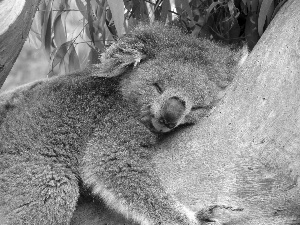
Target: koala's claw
[[219, 214]]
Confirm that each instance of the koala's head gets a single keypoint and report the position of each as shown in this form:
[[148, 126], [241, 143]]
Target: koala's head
[[166, 72]]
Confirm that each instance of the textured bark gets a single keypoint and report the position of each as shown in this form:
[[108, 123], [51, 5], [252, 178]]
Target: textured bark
[[13, 38], [246, 153], [245, 156]]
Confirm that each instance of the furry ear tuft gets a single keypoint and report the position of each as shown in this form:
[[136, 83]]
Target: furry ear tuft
[[118, 59], [131, 49]]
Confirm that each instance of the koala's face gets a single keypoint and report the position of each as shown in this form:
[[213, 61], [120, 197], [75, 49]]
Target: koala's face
[[166, 92], [187, 78], [155, 56]]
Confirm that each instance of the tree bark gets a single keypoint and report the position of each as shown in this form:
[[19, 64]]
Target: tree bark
[[246, 154], [244, 158], [15, 22]]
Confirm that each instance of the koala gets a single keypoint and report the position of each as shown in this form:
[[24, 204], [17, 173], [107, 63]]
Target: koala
[[98, 129]]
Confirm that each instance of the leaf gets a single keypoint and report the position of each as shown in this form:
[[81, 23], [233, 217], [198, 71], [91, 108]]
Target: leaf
[[254, 5], [277, 8], [158, 2], [101, 14], [231, 8], [210, 8], [65, 4], [234, 31], [244, 7], [117, 10], [140, 10], [100, 24], [46, 28], [100, 2], [60, 54], [83, 55], [63, 67], [88, 35], [34, 39], [165, 7], [34, 33], [136, 10], [270, 13], [251, 33], [59, 31], [109, 36], [82, 8], [90, 20], [40, 15], [74, 64], [58, 5], [184, 4], [266, 10], [151, 14], [110, 25], [94, 5]]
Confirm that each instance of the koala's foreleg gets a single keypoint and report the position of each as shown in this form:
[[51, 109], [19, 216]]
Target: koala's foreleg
[[127, 182]]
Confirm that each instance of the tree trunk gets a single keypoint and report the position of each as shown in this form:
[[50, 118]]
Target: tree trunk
[[244, 158], [246, 154], [15, 22]]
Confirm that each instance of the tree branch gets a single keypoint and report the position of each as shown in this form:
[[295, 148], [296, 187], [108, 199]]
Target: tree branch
[[15, 22]]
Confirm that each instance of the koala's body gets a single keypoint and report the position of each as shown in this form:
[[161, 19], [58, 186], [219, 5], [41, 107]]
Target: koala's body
[[84, 130]]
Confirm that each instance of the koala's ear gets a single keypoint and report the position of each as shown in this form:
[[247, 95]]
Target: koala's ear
[[117, 60]]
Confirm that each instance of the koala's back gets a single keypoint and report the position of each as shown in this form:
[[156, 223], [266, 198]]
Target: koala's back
[[54, 118], [44, 130]]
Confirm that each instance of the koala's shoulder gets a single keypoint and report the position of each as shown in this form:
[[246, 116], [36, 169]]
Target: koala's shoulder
[[65, 89], [12, 98], [26, 94]]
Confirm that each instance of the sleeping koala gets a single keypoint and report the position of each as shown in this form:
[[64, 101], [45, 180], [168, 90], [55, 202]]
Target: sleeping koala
[[98, 128]]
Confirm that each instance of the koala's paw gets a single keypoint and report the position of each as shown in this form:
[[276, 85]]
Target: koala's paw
[[219, 215], [189, 120], [146, 118]]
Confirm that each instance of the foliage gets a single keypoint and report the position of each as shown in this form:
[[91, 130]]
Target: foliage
[[73, 32], [30, 65]]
